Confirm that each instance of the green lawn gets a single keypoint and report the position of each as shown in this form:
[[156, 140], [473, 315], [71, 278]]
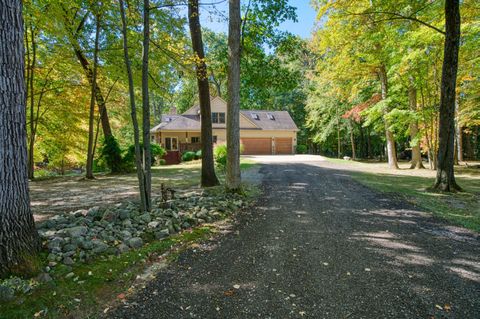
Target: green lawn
[[461, 209]]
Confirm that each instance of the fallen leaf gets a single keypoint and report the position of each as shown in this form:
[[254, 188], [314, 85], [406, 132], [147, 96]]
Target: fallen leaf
[[367, 269], [236, 286], [121, 296], [438, 307], [229, 293], [447, 307]]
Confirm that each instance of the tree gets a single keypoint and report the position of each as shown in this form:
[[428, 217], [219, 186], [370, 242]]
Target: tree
[[147, 160], [233, 177], [208, 178], [445, 180], [19, 240], [89, 166]]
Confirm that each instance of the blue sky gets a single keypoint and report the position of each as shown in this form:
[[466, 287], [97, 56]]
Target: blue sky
[[306, 18]]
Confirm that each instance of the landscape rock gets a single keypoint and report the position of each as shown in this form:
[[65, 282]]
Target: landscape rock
[[135, 242], [6, 294]]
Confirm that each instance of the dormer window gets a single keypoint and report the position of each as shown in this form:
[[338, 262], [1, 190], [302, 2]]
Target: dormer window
[[168, 119], [218, 118], [271, 116], [255, 116]]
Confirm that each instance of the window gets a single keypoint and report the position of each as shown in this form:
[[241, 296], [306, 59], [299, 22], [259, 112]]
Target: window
[[255, 116], [218, 118], [271, 116], [214, 139], [171, 143], [195, 140]]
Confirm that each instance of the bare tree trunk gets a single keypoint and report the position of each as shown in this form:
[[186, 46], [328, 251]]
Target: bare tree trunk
[[233, 178], [209, 178], [146, 108], [19, 240], [414, 140], [391, 149], [89, 168], [459, 132], [31, 95], [133, 110], [352, 141], [445, 180]]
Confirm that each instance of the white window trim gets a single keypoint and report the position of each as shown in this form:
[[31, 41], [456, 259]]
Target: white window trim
[[171, 144]]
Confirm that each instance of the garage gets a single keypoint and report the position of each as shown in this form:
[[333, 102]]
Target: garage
[[257, 146], [283, 145]]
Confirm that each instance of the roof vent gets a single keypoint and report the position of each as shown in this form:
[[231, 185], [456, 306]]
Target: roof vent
[[271, 116], [255, 116]]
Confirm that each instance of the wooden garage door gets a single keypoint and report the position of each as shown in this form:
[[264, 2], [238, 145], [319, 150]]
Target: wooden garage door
[[257, 146], [283, 145]]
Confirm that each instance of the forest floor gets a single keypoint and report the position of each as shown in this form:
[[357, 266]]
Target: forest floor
[[319, 244], [69, 193]]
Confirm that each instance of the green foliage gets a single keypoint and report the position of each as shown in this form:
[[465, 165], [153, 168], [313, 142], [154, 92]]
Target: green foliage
[[155, 150], [220, 155], [162, 162], [198, 154], [112, 155], [302, 149], [188, 156]]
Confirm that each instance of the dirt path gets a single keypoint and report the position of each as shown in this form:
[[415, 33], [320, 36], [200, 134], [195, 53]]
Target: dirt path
[[319, 245]]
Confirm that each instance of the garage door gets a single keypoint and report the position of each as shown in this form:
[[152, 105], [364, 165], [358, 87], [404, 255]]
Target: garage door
[[257, 146], [283, 145]]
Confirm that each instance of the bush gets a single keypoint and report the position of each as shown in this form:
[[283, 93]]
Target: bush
[[220, 155], [112, 155], [198, 154], [302, 149], [156, 151], [188, 156], [162, 162]]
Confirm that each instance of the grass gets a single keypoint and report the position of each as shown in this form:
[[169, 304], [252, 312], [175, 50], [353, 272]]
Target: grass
[[96, 283], [461, 208]]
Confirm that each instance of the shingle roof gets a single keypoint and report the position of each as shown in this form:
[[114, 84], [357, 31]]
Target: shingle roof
[[281, 119], [264, 120]]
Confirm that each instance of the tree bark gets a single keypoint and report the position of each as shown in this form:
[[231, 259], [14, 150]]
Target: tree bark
[[459, 132], [133, 110], [352, 141], [414, 141], [147, 162], [233, 178], [89, 168], [208, 178], [391, 149], [19, 240], [445, 180], [31, 95]]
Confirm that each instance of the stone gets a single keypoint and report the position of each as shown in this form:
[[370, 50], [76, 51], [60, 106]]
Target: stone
[[99, 247], [68, 261], [44, 277], [109, 216], [127, 223], [87, 244], [125, 234], [80, 213], [123, 214], [135, 242], [122, 248], [69, 275], [162, 234], [94, 213], [153, 224], [6, 293], [112, 251], [146, 218], [56, 243], [69, 247]]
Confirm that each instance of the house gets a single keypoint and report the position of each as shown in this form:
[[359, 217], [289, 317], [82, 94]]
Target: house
[[261, 132]]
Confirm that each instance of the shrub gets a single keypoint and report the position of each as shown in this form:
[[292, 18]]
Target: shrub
[[162, 162], [302, 149], [156, 151], [188, 156], [220, 155], [112, 155], [198, 154]]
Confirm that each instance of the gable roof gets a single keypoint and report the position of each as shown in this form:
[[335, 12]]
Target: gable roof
[[261, 119]]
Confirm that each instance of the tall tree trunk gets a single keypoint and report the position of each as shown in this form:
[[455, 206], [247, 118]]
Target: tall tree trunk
[[445, 180], [19, 240], [459, 132], [391, 149], [31, 95], [414, 140], [233, 178], [352, 141], [147, 160], [209, 178], [339, 144], [133, 110], [89, 168]]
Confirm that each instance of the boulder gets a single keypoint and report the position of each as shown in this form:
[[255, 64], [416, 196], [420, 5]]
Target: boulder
[[77, 231], [135, 242]]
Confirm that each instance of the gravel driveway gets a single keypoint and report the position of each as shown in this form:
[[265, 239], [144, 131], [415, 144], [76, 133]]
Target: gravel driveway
[[320, 245]]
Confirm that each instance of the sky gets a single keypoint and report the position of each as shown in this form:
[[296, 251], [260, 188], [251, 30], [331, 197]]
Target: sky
[[305, 13]]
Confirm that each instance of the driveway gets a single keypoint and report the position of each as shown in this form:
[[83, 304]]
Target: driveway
[[320, 245]]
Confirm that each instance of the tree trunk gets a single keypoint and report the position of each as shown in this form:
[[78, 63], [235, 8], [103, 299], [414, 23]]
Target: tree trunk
[[414, 140], [19, 240], [233, 178], [445, 180], [89, 168], [31, 95], [391, 149], [147, 162], [459, 134], [133, 110], [352, 141], [209, 178]]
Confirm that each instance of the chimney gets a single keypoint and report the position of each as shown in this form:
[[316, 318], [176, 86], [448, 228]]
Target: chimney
[[173, 110]]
